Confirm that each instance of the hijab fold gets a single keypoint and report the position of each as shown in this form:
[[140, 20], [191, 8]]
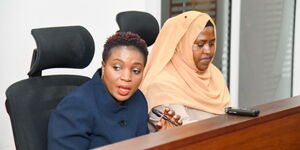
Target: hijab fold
[[171, 76]]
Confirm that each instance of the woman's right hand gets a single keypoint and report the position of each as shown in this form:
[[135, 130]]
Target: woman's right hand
[[164, 124]]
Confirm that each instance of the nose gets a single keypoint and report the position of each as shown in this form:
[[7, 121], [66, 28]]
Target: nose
[[206, 48], [126, 75]]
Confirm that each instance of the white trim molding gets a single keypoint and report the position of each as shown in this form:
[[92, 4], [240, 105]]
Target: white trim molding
[[234, 51], [296, 65]]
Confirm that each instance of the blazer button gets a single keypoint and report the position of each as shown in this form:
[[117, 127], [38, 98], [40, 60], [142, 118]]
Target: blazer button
[[122, 123]]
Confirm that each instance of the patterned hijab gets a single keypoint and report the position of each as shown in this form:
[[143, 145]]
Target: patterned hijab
[[171, 76]]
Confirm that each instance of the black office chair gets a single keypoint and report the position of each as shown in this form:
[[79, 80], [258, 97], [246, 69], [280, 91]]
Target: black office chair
[[141, 23], [30, 102]]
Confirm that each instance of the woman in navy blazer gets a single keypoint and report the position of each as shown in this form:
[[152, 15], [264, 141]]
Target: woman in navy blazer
[[109, 107]]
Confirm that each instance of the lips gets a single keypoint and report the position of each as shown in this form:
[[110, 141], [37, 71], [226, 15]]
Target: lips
[[123, 90], [205, 60]]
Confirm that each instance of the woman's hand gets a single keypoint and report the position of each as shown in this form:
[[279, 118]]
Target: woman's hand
[[164, 124]]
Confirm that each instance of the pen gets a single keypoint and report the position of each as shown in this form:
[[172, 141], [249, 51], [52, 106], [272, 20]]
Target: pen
[[159, 114]]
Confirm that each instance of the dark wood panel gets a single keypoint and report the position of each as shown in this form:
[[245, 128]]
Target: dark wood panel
[[262, 136], [277, 127]]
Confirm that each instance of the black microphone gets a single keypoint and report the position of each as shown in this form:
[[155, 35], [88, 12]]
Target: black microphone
[[160, 114]]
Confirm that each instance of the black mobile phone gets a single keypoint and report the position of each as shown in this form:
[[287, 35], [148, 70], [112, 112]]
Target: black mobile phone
[[242, 111], [160, 114]]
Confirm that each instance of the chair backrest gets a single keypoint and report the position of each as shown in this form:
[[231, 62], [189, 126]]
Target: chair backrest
[[141, 23], [30, 101]]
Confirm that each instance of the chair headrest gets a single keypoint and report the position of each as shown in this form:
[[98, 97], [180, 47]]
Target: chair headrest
[[141, 23], [61, 47]]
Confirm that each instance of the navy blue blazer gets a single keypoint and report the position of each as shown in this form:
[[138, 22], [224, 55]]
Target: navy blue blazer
[[89, 117]]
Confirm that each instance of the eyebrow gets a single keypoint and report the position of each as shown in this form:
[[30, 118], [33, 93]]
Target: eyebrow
[[197, 40], [117, 59], [136, 63], [206, 40]]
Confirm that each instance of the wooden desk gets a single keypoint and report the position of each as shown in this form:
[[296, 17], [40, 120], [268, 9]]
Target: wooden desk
[[277, 127]]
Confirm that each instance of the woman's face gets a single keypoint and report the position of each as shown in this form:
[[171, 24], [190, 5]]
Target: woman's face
[[204, 48], [123, 72]]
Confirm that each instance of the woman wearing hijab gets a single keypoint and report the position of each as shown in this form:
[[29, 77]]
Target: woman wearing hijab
[[180, 75]]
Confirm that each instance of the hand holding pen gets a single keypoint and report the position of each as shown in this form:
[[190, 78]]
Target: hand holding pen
[[168, 119]]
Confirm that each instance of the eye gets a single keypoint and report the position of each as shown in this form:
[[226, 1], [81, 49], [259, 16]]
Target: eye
[[117, 67], [136, 70], [211, 44], [200, 44]]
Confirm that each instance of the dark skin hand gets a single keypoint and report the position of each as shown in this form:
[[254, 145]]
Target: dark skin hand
[[164, 124]]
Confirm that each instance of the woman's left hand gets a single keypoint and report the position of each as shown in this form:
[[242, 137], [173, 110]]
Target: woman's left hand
[[164, 124]]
